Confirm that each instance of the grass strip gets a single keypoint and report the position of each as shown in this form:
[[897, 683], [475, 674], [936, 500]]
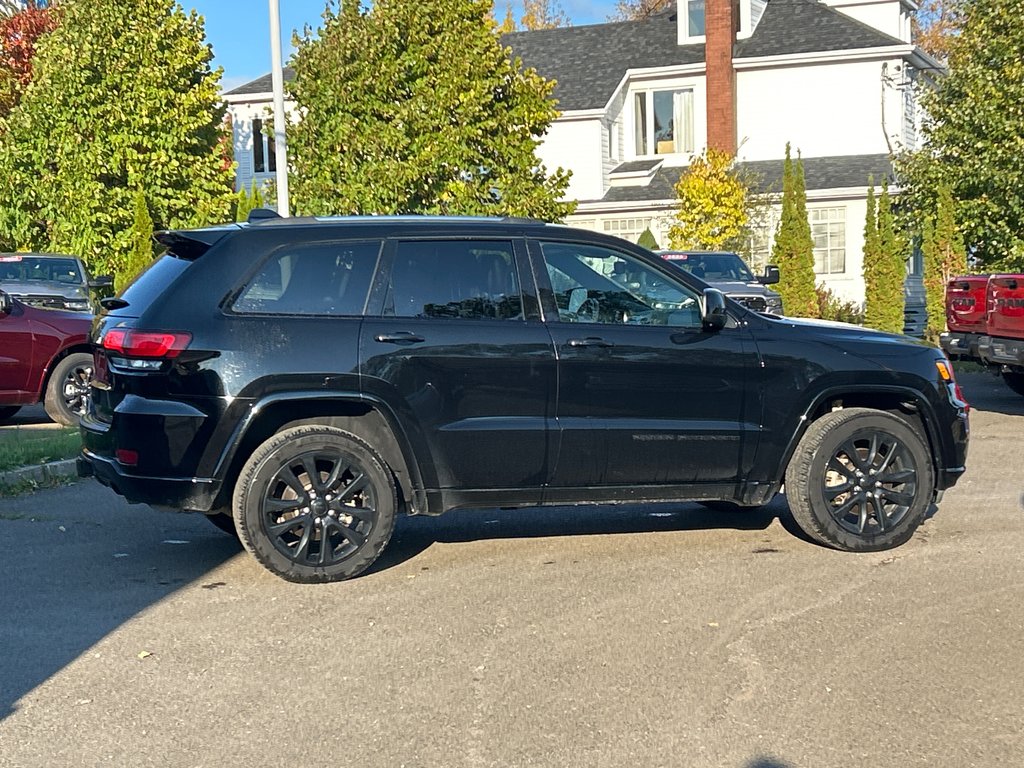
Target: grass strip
[[26, 446]]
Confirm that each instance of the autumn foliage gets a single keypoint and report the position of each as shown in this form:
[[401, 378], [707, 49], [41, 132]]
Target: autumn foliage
[[19, 34]]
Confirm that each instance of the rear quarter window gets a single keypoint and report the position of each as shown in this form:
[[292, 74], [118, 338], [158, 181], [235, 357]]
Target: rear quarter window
[[315, 279]]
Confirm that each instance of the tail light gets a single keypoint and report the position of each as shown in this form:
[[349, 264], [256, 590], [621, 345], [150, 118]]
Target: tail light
[[146, 344], [144, 350]]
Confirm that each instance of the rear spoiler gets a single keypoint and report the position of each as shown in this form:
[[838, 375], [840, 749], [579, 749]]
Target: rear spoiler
[[190, 244]]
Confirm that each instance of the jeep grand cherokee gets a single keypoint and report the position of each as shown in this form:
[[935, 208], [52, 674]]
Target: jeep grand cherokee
[[304, 381]]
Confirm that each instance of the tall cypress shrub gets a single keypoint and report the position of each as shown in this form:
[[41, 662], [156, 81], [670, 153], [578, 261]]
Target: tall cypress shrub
[[793, 250]]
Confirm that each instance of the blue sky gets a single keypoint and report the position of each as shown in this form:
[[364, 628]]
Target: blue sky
[[239, 30]]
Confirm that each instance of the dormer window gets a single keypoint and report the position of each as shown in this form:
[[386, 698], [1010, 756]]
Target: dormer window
[[663, 122]]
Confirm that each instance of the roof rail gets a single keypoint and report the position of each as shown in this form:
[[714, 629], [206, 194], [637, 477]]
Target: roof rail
[[257, 215]]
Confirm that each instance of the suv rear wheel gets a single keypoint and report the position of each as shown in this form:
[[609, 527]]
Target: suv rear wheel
[[315, 504], [67, 389], [861, 480]]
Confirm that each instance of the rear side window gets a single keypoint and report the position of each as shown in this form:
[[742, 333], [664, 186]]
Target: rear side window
[[320, 279], [154, 280], [466, 279]]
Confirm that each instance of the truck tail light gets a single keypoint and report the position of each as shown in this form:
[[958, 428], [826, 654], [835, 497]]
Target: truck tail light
[[146, 344]]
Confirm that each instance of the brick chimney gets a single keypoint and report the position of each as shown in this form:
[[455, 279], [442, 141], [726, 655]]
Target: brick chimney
[[720, 31]]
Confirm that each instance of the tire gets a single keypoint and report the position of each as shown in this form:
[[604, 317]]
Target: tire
[[67, 389], [831, 480], [322, 480], [6, 411], [224, 521], [1014, 381]]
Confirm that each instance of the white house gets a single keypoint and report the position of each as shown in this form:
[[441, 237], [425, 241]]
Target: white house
[[835, 78]]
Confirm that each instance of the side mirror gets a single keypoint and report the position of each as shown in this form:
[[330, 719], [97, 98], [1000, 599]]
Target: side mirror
[[103, 281], [6, 303], [715, 316], [770, 276]]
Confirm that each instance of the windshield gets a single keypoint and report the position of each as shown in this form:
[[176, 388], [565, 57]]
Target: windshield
[[15, 268], [713, 267]]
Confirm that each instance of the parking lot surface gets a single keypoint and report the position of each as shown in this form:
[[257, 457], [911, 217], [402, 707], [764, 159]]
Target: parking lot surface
[[664, 635]]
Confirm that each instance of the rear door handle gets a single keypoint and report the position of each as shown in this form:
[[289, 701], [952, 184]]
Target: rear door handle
[[399, 337], [590, 341]]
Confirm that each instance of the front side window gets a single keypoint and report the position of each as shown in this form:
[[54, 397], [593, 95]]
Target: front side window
[[454, 279], [664, 122], [828, 229], [320, 279], [264, 150], [592, 284]]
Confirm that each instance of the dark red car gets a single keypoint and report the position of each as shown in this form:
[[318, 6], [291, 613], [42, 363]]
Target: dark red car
[[44, 356]]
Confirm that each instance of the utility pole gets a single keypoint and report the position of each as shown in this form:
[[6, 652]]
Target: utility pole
[[280, 142]]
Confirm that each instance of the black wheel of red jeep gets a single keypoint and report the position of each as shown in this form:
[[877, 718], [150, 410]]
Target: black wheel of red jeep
[[861, 480], [7, 411], [68, 389], [315, 504], [1014, 381]]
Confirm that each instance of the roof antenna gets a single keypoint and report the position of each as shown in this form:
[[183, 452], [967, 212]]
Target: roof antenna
[[257, 215]]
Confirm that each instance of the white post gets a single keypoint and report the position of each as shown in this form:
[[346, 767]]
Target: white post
[[280, 143]]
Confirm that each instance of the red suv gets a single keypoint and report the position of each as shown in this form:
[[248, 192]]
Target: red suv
[[44, 355]]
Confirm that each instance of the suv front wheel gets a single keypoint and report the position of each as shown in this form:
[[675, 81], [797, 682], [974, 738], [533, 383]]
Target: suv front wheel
[[861, 480], [315, 504]]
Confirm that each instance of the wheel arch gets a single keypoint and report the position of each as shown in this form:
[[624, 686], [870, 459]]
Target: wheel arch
[[909, 404], [83, 347], [367, 418]]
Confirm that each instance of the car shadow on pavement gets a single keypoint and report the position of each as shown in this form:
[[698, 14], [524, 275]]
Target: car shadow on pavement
[[988, 392], [414, 535], [74, 574]]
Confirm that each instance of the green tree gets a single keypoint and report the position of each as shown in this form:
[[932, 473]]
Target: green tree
[[885, 270], [793, 250], [122, 99], [944, 258], [141, 252], [647, 240], [973, 137], [713, 205], [415, 107]]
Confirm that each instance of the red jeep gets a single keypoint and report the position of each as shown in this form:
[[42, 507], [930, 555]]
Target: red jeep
[[44, 355]]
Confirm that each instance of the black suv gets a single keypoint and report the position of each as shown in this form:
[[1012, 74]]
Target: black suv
[[303, 381]]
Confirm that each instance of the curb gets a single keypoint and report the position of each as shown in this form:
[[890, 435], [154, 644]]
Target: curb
[[40, 473]]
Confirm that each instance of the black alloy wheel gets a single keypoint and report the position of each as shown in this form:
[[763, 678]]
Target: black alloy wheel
[[315, 503], [870, 483], [68, 390], [861, 480]]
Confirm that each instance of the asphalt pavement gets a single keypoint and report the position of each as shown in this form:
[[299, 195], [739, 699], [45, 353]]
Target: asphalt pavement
[[661, 635]]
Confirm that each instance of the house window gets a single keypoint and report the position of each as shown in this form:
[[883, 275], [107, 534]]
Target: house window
[[828, 229], [627, 229], [264, 153], [663, 122], [694, 18]]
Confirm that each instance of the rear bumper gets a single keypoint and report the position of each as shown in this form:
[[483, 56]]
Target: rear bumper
[[194, 494], [956, 344], [1001, 351]]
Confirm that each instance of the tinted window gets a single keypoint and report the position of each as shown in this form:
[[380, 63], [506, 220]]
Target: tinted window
[[597, 285], [321, 279], [154, 280], [713, 267], [472, 279]]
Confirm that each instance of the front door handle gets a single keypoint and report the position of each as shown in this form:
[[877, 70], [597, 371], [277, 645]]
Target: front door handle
[[590, 341], [399, 337]]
